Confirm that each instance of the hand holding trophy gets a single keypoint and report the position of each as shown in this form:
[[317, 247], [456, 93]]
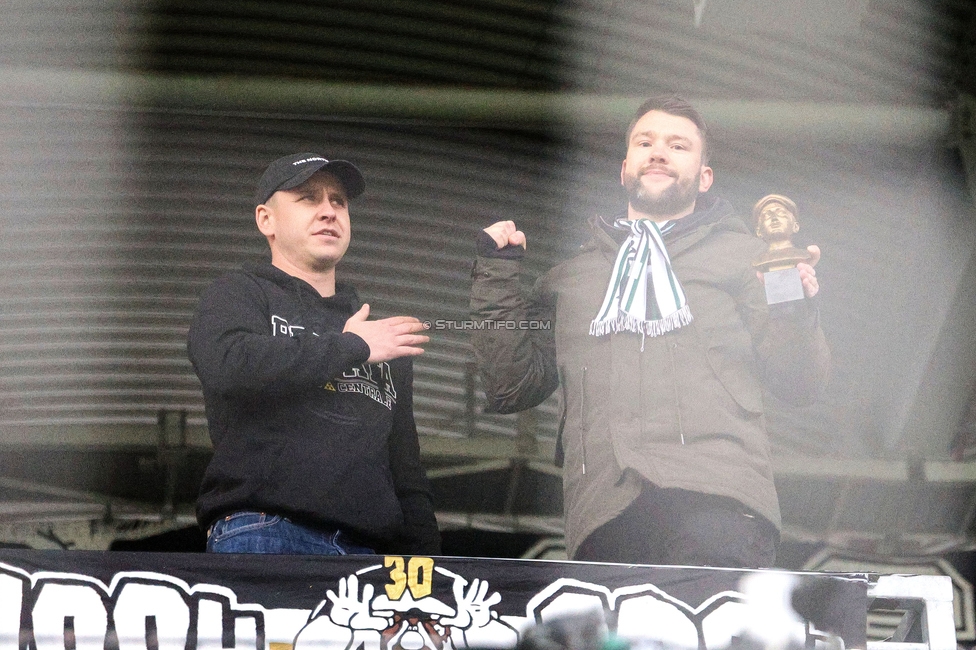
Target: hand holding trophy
[[775, 217]]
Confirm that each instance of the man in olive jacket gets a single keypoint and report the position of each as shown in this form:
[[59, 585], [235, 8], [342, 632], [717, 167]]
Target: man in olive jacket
[[662, 340]]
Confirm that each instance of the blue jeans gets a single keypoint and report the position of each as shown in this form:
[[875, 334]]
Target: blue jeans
[[257, 532]]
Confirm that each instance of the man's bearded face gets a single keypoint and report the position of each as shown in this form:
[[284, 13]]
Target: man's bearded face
[[669, 200], [663, 172]]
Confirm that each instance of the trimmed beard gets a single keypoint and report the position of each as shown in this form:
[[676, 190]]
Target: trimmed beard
[[671, 201]]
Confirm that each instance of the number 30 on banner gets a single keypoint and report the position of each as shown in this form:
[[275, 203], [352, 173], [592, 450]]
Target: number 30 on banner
[[417, 577]]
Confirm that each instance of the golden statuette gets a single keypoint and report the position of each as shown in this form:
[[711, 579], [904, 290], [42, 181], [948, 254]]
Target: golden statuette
[[775, 219]]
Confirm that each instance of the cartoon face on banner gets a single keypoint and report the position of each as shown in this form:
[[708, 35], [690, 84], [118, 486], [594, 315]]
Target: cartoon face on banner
[[414, 630], [410, 604], [391, 603]]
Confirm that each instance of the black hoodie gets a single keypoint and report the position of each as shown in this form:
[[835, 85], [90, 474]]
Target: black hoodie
[[301, 425]]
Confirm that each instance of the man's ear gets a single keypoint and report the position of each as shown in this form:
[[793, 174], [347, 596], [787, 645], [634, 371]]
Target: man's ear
[[264, 218], [623, 170], [707, 176]]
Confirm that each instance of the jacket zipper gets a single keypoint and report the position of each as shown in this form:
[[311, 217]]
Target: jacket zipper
[[583, 418]]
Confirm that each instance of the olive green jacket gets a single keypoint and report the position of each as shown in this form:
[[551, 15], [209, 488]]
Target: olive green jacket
[[682, 410]]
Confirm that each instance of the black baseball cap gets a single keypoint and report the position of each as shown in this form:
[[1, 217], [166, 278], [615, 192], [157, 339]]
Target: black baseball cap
[[291, 171]]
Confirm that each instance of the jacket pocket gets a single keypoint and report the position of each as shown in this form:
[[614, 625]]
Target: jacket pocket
[[570, 443], [242, 522], [732, 364], [334, 417], [560, 455], [742, 386], [582, 424]]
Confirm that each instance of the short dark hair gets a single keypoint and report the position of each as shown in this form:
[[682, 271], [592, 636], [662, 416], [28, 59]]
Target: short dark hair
[[672, 105]]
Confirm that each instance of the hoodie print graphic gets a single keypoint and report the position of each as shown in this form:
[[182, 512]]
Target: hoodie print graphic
[[374, 380]]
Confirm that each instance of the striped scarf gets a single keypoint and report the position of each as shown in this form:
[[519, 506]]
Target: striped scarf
[[630, 304]]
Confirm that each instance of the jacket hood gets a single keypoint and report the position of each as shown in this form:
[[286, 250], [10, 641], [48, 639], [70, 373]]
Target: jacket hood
[[711, 213]]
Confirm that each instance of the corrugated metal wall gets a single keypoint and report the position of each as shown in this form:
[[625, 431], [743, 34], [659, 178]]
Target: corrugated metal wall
[[119, 217], [493, 43]]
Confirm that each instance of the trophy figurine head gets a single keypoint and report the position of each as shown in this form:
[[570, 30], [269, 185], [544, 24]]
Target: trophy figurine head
[[775, 219]]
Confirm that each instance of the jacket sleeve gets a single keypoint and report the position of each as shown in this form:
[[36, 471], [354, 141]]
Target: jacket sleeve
[[420, 534], [234, 349], [794, 359], [517, 366]]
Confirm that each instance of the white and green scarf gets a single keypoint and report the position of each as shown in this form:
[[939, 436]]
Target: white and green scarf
[[630, 304]]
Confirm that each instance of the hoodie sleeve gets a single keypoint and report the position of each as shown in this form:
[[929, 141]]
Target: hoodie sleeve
[[234, 349], [420, 534]]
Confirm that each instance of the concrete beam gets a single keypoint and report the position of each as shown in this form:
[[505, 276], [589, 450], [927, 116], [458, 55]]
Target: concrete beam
[[824, 123]]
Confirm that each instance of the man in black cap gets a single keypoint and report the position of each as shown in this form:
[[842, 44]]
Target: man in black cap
[[309, 403]]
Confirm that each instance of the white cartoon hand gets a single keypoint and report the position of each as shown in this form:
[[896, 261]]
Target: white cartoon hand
[[349, 611], [473, 607]]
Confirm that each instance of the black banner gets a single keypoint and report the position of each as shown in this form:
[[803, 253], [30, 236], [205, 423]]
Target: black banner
[[76, 600]]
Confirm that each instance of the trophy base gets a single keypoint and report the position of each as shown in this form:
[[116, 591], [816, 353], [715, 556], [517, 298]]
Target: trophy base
[[783, 286]]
